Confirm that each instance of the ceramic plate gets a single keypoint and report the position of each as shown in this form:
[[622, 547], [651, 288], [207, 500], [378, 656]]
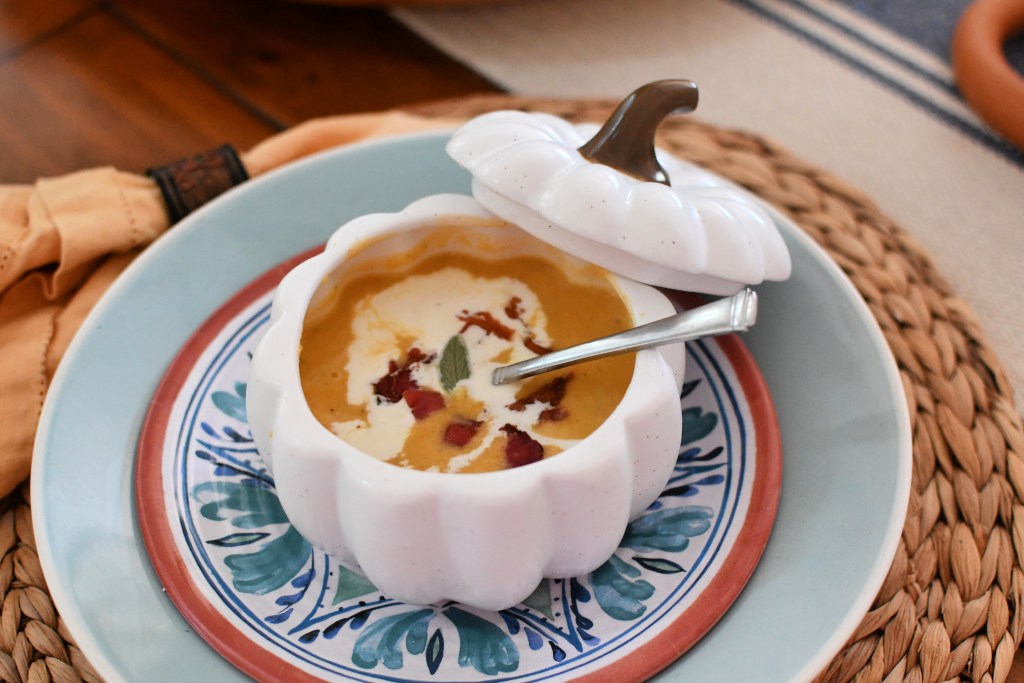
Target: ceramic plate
[[277, 608], [838, 399]]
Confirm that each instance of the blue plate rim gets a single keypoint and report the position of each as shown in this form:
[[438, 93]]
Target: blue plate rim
[[93, 649]]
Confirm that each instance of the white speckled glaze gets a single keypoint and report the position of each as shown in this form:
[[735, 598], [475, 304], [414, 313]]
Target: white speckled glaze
[[700, 234], [485, 540]]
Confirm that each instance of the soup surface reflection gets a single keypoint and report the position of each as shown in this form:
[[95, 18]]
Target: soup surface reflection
[[398, 349]]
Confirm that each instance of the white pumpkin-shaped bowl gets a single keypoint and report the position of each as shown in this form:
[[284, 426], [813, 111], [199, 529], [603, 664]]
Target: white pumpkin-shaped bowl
[[483, 539]]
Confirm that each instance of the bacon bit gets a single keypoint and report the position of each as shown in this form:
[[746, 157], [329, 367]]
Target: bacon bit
[[486, 322], [538, 349], [520, 448], [512, 309], [423, 402], [393, 385], [554, 414], [461, 431], [551, 393], [417, 356]]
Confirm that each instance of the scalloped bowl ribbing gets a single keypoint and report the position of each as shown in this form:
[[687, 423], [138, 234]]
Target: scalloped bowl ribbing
[[485, 540]]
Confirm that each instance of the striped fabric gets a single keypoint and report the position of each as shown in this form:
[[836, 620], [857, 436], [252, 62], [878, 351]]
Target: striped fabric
[[903, 47]]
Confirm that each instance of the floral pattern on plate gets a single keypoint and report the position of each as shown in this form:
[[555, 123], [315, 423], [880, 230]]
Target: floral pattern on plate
[[270, 602]]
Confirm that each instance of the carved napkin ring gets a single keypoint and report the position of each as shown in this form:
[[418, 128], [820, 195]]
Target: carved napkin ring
[[189, 183]]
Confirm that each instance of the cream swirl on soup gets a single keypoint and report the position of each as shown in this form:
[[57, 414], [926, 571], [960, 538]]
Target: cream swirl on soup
[[398, 361]]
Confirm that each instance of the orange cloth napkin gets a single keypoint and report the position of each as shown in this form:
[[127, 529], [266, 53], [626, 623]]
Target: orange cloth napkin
[[64, 240]]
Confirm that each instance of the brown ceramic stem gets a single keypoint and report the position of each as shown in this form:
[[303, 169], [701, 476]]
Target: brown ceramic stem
[[626, 141]]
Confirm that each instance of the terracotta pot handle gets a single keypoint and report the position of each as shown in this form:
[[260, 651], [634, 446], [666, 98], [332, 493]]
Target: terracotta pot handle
[[986, 80], [626, 141]]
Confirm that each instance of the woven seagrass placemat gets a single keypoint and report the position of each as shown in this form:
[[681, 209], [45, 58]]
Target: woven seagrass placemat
[[950, 607]]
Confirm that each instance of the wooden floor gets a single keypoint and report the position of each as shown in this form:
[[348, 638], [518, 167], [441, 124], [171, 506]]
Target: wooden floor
[[136, 83]]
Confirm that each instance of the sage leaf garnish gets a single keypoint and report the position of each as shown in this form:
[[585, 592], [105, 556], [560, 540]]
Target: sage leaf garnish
[[454, 365]]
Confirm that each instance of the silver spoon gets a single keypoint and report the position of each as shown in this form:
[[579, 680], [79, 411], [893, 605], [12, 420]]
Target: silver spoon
[[736, 313]]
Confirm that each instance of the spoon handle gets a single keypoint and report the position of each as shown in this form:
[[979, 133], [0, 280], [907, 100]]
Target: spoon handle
[[736, 313]]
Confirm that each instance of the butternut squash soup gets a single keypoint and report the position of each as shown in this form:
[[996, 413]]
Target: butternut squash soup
[[398, 348]]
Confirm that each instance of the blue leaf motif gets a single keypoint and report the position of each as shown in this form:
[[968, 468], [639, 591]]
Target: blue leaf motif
[[684, 491], [240, 538], [270, 567], [416, 641], [511, 623], [658, 565], [232, 405], [687, 455], [231, 454], [381, 641], [227, 471], [697, 424], [257, 506], [578, 592], [360, 619], [619, 590], [669, 529], [286, 600], [335, 628], [435, 652], [303, 580], [235, 436], [692, 454], [248, 507], [688, 388], [482, 644], [691, 470], [279, 618]]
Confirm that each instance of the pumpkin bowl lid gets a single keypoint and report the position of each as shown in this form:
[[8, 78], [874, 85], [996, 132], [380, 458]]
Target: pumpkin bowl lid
[[613, 199]]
